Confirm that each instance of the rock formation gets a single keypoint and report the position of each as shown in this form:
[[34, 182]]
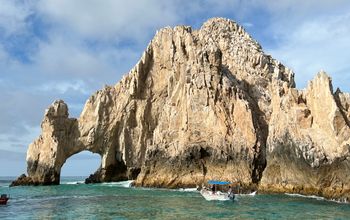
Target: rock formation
[[308, 148], [205, 104]]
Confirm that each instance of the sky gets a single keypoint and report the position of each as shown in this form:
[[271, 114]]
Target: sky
[[68, 49]]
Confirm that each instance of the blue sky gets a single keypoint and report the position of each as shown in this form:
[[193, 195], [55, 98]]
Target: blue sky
[[67, 49]]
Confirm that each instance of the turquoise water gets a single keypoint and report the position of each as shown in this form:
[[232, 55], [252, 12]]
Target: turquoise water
[[117, 201]]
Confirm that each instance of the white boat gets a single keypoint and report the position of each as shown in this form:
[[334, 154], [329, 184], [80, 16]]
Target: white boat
[[219, 196], [215, 194]]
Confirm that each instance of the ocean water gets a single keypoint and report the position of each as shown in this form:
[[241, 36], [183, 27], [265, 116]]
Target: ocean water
[[72, 200]]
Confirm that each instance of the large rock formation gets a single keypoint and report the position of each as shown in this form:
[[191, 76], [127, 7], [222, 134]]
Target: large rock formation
[[204, 104], [308, 148]]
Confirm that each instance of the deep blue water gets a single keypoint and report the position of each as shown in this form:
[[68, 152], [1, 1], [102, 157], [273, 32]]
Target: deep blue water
[[116, 201]]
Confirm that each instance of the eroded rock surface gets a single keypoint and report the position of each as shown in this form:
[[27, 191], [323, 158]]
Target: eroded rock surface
[[204, 104], [308, 148]]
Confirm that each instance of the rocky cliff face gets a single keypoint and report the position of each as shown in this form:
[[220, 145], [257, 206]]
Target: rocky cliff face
[[203, 104], [308, 148]]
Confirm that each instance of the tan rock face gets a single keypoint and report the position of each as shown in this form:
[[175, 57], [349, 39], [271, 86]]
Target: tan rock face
[[308, 142], [200, 104]]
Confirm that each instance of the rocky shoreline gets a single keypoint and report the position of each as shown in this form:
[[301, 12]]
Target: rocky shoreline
[[205, 104]]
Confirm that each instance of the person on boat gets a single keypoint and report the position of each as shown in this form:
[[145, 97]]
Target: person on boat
[[3, 199], [230, 193], [213, 189]]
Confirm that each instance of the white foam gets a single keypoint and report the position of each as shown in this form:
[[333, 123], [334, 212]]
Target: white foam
[[187, 190], [344, 200], [339, 200], [125, 184], [305, 196], [248, 194], [252, 194], [73, 183]]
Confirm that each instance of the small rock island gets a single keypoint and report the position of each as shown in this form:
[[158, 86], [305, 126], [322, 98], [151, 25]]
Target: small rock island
[[205, 104]]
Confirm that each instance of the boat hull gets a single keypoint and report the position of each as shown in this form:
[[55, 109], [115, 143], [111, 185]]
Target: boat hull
[[3, 201], [217, 196]]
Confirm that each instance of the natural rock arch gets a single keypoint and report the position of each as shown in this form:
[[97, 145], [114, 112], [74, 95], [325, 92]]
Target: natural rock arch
[[63, 137]]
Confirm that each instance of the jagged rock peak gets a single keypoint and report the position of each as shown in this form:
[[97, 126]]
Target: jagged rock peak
[[212, 31], [57, 109], [321, 79], [226, 26], [220, 43], [322, 74]]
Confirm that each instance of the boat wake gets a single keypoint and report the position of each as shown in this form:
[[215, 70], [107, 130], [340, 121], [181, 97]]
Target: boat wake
[[248, 194], [187, 190]]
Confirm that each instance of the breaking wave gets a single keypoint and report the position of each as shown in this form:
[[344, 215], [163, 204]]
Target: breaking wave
[[125, 184], [73, 182]]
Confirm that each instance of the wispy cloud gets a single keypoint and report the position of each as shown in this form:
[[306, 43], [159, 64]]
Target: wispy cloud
[[63, 87], [13, 15], [66, 57]]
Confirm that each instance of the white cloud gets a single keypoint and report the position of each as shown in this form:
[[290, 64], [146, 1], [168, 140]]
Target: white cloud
[[321, 43], [3, 54], [20, 109], [109, 20], [13, 15], [248, 24], [299, 5], [291, 10], [63, 87], [66, 57]]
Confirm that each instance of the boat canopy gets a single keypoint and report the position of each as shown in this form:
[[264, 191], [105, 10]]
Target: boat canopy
[[218, 182]]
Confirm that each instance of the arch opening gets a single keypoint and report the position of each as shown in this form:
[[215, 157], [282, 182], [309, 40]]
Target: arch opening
[[79, 166]]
